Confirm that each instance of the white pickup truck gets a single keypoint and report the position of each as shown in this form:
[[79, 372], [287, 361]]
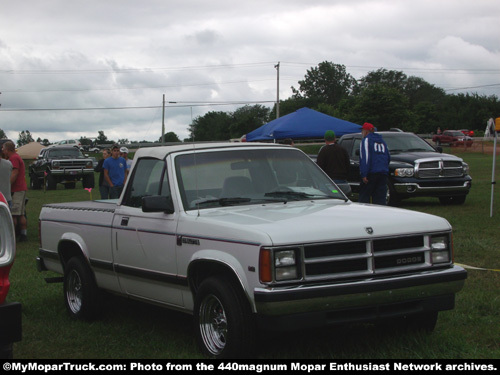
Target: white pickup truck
[[249, 237]]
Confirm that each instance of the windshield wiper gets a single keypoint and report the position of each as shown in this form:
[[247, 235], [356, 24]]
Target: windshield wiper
[[294, 194], [417, 149], [225, 201]]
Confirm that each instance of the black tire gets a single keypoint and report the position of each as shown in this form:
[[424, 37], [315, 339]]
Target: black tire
[[453, 200], [50, 182], [223, 320], [392, 198], [35, 183], [6, 351], [81, 294], [88, 181]]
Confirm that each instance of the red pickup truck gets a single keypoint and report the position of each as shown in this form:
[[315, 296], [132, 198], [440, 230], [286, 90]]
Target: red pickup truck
[[10, 312], [452, 138]]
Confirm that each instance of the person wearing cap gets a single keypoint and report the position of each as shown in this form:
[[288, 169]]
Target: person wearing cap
[[334, 161], [115, 172], [124, 154], [374, 159]]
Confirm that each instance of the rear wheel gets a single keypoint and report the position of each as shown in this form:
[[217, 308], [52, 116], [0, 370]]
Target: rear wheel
[[223, 321], [81, 295]]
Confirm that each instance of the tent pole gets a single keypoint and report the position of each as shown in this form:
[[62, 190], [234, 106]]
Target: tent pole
[[493, 171]]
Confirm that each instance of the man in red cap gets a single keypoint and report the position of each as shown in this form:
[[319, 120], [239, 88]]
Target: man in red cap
[[374, 159]]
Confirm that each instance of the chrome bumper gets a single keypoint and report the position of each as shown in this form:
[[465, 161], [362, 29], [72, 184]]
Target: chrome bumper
[[369, 292], [415, 188]]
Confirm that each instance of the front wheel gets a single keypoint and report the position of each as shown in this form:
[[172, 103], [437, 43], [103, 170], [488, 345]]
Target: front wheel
[[81, 295], [223, 321]]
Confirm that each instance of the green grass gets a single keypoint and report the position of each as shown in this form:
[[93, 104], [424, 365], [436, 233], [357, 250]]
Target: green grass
[[130, 329]]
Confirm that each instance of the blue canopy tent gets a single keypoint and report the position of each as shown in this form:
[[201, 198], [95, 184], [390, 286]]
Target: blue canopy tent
[[303, 123]]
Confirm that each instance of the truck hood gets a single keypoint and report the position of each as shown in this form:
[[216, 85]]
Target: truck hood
[[312, 221], [410, 157]]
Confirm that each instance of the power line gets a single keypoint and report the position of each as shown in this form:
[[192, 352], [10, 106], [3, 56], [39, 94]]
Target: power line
[[177, 105]]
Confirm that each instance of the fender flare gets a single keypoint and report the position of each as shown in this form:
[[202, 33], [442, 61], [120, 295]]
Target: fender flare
[[228, 261]]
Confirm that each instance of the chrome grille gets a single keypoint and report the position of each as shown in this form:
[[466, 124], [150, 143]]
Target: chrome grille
[[438, 168], [72, 163], [366, 258]]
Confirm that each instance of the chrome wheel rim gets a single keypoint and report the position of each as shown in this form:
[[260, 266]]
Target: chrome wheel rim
[[74, 292], [213, 324]]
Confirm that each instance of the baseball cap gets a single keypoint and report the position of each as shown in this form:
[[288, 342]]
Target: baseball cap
[[367, 126], [329, 135], [124, 149]]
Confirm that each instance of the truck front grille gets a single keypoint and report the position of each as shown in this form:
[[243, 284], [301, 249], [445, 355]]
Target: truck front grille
[[366, 258], [67, 164], [438, 168]]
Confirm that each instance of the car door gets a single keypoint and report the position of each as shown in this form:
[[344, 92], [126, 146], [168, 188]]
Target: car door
[[144, 243]]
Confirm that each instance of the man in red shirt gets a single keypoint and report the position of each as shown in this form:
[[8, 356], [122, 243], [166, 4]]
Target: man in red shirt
[[18, 189]]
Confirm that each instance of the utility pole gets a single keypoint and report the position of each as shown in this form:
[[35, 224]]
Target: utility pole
[[163, 123], [277, 66]]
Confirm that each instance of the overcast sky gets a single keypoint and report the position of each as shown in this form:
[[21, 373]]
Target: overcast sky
[[71, 68]]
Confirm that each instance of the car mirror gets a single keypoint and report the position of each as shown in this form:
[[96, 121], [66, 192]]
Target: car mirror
[[158, 203], [439, 149]]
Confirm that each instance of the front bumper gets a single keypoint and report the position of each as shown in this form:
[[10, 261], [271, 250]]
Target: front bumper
[[71, 172], [361, 300], [426, 188]]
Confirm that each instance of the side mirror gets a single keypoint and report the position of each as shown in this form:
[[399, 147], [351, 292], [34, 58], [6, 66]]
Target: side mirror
[[158, 203], [439, 149]]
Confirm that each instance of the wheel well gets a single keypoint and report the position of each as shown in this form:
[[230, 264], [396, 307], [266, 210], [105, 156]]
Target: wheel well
[[203, 269], [68, 250]]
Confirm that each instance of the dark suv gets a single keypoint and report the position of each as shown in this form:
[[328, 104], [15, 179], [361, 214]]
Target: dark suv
[[417, 169], [61, 164]]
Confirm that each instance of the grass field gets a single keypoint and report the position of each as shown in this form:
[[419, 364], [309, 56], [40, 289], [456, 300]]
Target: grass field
[[130, 329]]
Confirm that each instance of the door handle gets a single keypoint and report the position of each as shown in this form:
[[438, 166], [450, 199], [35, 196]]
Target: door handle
[[124, 222]]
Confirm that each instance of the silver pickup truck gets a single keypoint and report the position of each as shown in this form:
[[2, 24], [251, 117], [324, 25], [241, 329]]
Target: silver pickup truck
[[247, 237]]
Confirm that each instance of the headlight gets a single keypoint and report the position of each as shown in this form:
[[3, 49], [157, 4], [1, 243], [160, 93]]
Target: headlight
[[440, 249], [285, 265], [55, 165], [89, 165], [465, 168], [404, 172], [279, 265]]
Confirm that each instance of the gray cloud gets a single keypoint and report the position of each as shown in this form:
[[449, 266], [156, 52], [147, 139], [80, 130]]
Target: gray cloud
[[123, 54]]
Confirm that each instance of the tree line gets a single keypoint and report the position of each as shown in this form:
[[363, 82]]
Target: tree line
[[385, 98]]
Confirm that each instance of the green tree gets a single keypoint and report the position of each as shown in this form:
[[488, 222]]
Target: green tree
[[382, 106], [213, 126], [248, 118], [2, 134], [101, 138], [328, 83], [24, 138], [170, 137]]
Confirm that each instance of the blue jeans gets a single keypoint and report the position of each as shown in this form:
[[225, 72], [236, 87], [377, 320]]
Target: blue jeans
[[115, 192], [375, 189], [104, 190]]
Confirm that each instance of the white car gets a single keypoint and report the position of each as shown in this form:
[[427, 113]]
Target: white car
[[68, 142]]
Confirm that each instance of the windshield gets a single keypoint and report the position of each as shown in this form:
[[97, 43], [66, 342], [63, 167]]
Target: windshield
[[406, 143], [66, 153], [455, 134], [239, 177]]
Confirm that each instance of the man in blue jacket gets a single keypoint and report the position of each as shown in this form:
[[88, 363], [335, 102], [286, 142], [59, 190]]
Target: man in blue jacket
[[374, 161]]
